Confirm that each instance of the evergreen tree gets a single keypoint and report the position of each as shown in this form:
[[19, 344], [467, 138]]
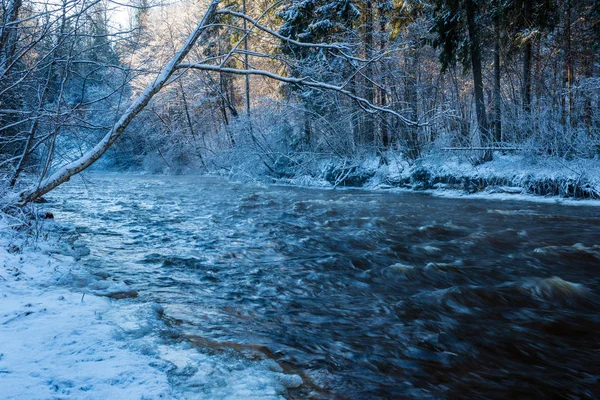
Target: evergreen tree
[[316, 22], [459, 25]]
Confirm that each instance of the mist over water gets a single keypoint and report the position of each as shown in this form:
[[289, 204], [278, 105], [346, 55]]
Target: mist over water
[[364, 294]]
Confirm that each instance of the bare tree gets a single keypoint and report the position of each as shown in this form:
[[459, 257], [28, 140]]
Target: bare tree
[[65, 173]]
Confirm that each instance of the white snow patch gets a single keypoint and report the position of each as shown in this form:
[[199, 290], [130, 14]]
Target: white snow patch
[[59, 339], [455, 194], [54, 343]]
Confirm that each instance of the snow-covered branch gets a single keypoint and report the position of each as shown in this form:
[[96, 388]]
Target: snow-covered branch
[[304, 81], [65, 173]]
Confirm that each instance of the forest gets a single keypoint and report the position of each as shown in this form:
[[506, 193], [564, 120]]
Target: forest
[[289, 89]]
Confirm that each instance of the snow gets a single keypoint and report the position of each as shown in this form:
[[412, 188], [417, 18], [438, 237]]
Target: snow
[[514, 173], [56, 343], [60, 338], [455, 194], [517, 169]]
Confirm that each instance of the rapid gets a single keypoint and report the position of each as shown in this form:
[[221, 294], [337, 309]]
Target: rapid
[[363, 294]]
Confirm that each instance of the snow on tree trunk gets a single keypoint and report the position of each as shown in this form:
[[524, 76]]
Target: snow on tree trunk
[[65, 173]]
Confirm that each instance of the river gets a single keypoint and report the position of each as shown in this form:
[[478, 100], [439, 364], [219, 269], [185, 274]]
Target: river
[[364, 294]]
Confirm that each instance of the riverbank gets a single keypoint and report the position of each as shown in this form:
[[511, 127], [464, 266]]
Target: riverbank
[[441, 172], [58, 340], [507, 176], [63, 334], [326, 283]]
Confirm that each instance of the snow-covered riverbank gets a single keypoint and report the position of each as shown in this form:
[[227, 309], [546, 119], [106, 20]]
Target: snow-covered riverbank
[[58, 342], [62, 337], [444, 173], [507, 176]]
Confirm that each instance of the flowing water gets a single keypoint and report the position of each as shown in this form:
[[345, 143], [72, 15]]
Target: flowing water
[[364, 294]]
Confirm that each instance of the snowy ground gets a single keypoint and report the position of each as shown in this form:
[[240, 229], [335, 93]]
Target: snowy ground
[[60, 338], [507, 176], [56, 343]]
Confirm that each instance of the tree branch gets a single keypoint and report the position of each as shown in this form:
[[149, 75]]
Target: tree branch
[[65, 173], [368, 106]]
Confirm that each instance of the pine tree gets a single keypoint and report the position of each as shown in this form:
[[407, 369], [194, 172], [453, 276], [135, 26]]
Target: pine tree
[[315, 22], [459, 27]]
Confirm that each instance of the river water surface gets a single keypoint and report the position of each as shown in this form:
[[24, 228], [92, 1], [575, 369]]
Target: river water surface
[[364, 294]]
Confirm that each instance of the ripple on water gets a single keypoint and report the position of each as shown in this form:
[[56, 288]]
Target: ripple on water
[[555, 289], [362, 295]]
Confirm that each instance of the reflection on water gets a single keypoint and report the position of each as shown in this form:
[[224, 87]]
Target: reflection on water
[[364, 294]]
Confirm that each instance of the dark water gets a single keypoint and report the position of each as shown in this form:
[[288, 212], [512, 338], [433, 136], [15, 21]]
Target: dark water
[[366, 295]]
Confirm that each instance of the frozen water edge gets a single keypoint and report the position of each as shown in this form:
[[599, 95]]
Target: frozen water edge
[[60, 339], [457, 194], [56, 343], [509, 177], [452, 193]]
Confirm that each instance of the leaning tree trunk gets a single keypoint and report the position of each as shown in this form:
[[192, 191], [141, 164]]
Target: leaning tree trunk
[[65, 173]]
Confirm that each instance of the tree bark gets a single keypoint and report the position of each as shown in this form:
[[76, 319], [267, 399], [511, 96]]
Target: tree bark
[[65, 173], [497, 94], [567, 102], [411, 98], [247, 77], [307, 127], [527, 59], [8, 35], [385, 138], [475, 50], [369, 123]]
